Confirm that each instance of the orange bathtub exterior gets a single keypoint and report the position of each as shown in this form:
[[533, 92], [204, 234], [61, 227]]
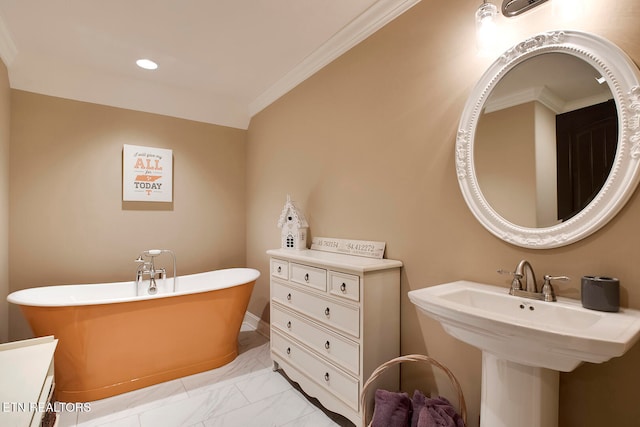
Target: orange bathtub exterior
[[108, 349]]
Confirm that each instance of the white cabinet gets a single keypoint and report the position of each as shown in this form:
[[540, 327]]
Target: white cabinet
[[26, 380], [334, 319]]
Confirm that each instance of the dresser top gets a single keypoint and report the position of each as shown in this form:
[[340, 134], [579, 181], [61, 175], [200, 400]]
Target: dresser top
[[336, 260]]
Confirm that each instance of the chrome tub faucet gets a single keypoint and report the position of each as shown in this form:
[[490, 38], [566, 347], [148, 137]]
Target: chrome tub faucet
[[149, 269]]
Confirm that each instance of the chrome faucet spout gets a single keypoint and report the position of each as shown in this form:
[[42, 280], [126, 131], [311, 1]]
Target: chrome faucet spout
[[525, 272], [153, 288]]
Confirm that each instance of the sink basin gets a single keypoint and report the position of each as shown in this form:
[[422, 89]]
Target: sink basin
[[555, 335], [524, 344]]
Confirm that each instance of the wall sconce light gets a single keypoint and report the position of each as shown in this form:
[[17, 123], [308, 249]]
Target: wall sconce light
[[516, 7], [486, 31]]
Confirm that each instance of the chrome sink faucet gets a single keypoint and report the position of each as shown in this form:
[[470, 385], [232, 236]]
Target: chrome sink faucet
[[524, 270]]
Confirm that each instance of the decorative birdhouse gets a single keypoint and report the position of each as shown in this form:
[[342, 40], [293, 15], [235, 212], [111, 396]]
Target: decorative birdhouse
[[293, 226]]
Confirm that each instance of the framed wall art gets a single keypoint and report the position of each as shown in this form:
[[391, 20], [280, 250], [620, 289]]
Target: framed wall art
[[147, 174]]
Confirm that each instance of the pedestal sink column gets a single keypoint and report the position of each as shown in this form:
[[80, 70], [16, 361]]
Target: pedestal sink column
[[515, 395]]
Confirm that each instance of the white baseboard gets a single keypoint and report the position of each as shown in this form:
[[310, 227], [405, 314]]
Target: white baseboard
[[259, 325]]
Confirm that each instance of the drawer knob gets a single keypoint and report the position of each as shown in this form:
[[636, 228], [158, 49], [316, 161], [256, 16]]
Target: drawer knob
[[279, 269], [326, 376], [289, 324], [327, 345], [306, 277], [288, 297], [343, 287], [326, 311], [288, 350]]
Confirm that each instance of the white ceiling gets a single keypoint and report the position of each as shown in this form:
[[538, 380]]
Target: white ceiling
[[220, 61]]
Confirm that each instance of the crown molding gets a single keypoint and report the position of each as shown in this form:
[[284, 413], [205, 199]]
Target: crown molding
[[61, 79], [377, 16], [540, 94]]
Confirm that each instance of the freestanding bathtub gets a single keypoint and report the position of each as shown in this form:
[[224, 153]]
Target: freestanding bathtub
[[111, 341]]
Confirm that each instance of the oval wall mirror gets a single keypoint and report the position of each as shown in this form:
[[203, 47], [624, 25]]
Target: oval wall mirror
[[548, 147]]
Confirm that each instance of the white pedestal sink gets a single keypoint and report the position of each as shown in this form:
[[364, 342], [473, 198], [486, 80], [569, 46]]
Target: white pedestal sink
[[524, 344]]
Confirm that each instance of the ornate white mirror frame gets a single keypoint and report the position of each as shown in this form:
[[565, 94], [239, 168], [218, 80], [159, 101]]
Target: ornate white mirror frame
[[623, 78]]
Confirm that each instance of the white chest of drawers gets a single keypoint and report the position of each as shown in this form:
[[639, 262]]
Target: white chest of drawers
[[334, 319], [26, 381]]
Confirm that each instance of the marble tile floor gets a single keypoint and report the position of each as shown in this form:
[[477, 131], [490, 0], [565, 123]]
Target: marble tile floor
[[245, 392]]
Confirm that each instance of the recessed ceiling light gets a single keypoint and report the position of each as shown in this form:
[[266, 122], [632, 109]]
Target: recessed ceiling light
[[147, 64]]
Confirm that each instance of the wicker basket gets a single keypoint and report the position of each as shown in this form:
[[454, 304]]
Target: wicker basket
[[411, 358]]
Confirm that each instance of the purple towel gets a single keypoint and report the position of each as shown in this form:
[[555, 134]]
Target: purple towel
[[419, 401], [437, 412], [391, 409]]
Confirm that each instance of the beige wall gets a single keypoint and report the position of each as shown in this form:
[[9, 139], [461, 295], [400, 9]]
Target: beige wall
[[366, 148], [5, 115], [68, 222]]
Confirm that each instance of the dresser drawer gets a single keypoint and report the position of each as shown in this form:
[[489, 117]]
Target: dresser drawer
[[344, 285], [309, 276], [339, 383], [333, 314], [280, 268], [342, 351]]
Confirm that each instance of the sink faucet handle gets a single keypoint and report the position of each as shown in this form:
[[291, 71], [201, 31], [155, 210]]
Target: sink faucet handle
[[561, 278], [507, 272], [516, 284], [548, 293]]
